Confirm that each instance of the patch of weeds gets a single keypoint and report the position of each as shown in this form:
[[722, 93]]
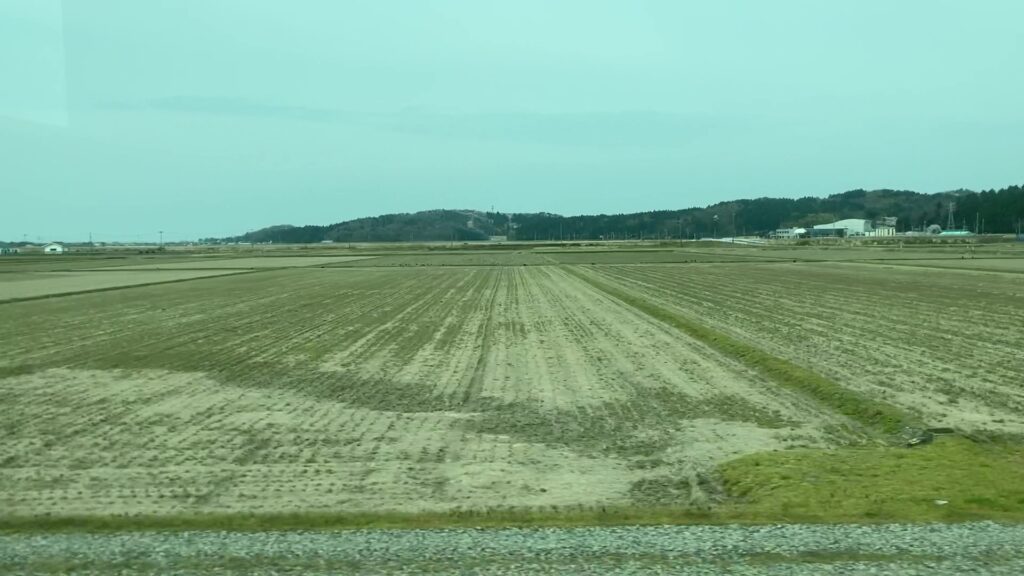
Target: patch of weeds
[[647, 463], [585, 430], [661, 490], [643, 426], [12, 370], [252, 448], [372, 393], [675, 490]]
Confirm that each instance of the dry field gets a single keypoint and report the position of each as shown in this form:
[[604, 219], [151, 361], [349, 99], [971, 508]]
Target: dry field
[[19, 285], [483, 383], [945, 346], [447, 258], [254, 262], [1013, 265], [368, 390], [673, 256]]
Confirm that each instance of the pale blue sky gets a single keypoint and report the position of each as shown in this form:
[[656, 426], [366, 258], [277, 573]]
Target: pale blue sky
[[211, 117]]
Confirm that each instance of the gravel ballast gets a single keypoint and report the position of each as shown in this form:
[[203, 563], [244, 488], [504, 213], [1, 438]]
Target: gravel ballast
[[974, 548]]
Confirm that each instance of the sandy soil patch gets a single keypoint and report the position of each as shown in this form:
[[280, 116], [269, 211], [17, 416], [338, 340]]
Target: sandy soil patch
[[83, 442]]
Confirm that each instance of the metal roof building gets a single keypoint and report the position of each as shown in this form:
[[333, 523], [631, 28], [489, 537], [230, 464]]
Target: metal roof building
[[853, 226]]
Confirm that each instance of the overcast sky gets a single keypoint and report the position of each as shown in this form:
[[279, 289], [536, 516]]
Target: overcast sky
[[213, 117]]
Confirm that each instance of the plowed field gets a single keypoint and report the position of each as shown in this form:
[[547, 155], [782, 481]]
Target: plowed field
[[469, 387], [946, 346]]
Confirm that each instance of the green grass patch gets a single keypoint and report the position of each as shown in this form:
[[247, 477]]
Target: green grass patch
[[977, 481], [879, 416], [552, 516]]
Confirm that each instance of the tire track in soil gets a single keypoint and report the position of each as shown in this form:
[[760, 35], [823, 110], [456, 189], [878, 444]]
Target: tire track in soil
[[475, 384]]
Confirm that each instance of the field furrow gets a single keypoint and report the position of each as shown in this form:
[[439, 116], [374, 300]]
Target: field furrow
[[946, 348]]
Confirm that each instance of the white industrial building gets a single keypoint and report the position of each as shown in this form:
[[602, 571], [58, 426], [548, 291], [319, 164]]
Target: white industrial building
[[853, 226], [53, 248]]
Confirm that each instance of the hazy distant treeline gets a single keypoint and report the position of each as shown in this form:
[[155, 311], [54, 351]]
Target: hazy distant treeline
[[992, 211]]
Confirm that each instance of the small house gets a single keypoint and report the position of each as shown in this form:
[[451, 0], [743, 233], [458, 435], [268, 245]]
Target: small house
[[54, 248]]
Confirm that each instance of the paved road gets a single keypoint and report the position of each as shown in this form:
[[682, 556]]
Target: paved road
[[981, 548]]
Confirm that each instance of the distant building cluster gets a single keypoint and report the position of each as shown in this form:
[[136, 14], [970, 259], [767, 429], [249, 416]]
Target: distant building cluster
[[848, 228], [51, 248]]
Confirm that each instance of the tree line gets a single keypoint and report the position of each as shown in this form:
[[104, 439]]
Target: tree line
[[991, 211]]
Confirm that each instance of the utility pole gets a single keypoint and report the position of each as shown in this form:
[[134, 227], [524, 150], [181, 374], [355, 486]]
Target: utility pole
[[680, 230], [161, 238]]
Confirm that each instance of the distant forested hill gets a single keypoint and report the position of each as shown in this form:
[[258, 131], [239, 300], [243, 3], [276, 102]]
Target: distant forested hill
[[455, 225], [1001, 211]]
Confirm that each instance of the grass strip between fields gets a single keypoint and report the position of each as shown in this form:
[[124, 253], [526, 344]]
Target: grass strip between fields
[[876, 415]]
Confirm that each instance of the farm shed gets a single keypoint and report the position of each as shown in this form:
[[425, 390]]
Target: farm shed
[[53, 248]]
